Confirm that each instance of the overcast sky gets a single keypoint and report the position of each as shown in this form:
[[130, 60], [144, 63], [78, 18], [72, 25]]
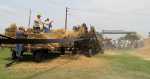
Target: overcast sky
[[133, 15]]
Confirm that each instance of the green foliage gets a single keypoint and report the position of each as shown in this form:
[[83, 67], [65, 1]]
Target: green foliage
[[132, 36]]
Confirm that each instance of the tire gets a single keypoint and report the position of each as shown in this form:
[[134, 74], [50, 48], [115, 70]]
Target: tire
[[74, 51], [88, 53], [62, 50], [38, 56]]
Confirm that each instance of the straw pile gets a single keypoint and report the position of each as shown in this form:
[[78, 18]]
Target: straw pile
[[11, 30], [72, 34], [47, 36], [62, 31], [29, 30], [76, 34], [56, 34]]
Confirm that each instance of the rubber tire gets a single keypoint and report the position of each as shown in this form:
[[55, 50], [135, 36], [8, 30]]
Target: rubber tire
[[38, 56], [74, 52], [62, 50]]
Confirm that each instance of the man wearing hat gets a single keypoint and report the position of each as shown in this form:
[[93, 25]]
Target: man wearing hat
[[38, 24], [47, 25]]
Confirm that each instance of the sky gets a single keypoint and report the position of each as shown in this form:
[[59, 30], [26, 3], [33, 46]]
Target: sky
[[130, 15]]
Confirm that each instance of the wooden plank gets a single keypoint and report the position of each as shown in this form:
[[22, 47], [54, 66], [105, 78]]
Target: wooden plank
[[30, 41]]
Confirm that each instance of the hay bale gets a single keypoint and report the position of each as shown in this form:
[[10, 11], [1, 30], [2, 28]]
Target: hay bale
[[11, 30], [12, 27], [62, 31], [46, 36], [72, 34], [29, 30], [10, 34], [54, 35]]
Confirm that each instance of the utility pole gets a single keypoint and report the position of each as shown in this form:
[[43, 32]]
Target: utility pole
[[30, 12], [66, 19]]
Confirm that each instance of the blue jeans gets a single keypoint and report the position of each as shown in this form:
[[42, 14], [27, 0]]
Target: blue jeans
[[19, 49], [46, 30]]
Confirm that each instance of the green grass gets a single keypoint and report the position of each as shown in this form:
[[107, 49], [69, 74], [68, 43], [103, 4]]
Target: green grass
[[4, 54], [128, 67], [122, 66]]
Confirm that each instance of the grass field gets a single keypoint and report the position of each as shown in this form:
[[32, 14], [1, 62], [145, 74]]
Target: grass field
[[118, 65]]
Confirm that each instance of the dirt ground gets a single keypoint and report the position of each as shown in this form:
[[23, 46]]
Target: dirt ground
[[144, 52], [77, 62], [105, 65]]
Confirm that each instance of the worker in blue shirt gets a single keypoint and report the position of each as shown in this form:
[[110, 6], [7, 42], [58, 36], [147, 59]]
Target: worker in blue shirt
[[20, 33], [46, 25]]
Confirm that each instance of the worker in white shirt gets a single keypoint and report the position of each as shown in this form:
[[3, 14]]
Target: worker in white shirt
[[47, 25], [38, 24]]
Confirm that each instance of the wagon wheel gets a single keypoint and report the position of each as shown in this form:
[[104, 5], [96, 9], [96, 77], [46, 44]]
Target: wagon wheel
[[62, 50], [38, 56], [93, 47], [74, 51]]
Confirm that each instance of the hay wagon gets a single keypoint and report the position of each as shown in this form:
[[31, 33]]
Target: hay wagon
[[83, 43]]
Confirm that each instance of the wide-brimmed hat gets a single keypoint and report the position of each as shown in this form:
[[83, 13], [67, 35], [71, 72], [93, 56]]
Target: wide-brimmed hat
[[38, 15], [21, 28], [47, 19]]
